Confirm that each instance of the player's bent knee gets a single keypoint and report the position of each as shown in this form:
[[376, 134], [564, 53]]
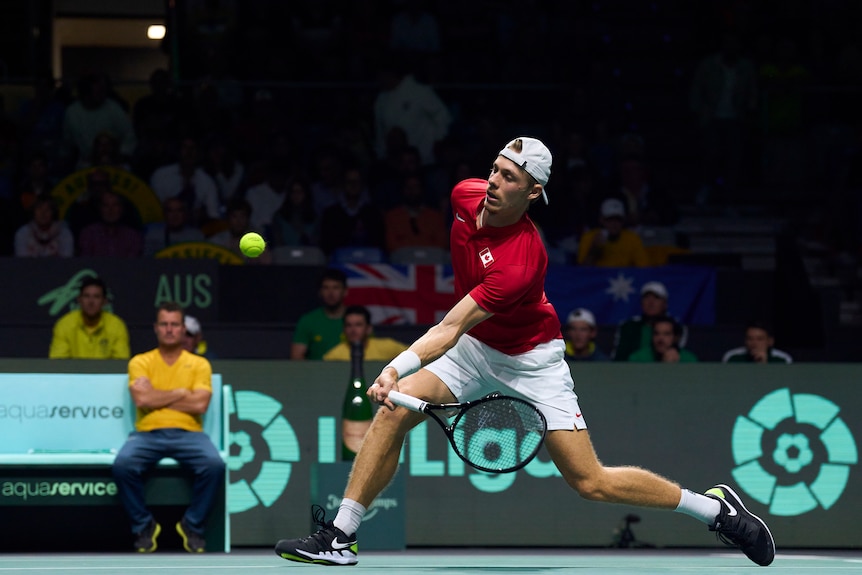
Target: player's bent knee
[[400, 419]]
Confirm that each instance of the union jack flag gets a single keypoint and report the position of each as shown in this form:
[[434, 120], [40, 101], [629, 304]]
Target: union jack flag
[[401, 294]]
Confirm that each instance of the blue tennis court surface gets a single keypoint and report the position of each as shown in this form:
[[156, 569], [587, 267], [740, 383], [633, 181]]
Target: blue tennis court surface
[[443, 561]]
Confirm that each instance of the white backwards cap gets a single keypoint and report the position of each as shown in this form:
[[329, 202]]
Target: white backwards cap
[[534, 158]]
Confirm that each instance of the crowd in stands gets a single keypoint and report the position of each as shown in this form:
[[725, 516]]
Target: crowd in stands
[[655, 336], [651, 336], [350, 129], [295, 195], [331, 171]]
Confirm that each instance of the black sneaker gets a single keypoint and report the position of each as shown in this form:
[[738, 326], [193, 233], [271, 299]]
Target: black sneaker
[[192, 541], [145, 541], [737, 526], [329, 546]]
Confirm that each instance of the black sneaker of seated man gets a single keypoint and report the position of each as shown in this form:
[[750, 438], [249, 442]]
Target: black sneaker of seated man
[[145, 541], [192, 542]]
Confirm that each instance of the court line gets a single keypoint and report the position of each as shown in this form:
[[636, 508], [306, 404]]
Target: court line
[[139, 568]]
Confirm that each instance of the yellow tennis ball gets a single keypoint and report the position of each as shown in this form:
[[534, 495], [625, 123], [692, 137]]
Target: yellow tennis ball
[[252, 244]]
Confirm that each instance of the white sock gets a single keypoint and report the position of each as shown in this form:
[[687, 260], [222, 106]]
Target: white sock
[[698, 506], [350, 514]]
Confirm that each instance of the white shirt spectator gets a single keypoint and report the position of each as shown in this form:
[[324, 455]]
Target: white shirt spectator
[[229, 186], [33, 242], [168, 182], [418, 110], [81, 125], [264, 201]]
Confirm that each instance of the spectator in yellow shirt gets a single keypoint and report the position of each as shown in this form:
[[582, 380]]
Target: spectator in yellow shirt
[[90, 332], [357, 327], [612, 245], [171, 389]]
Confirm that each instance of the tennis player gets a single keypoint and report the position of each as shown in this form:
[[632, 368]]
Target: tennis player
[[504, 335]]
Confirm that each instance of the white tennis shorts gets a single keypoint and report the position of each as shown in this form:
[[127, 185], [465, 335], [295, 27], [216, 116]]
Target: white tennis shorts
[[541, 376]]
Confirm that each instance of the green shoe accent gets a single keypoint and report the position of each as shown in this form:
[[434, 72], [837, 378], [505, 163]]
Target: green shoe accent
[[297, 558], [146, 544], [192, 542]]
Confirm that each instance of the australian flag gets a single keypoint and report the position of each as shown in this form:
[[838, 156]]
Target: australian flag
[[613, 294]]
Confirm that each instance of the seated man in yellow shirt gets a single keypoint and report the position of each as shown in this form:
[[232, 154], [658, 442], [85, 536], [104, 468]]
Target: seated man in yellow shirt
[[612, 245], [171, 389], [90, 332], [357, 327]]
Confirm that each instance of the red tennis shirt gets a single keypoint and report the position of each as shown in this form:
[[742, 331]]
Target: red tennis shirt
[[503, 270]]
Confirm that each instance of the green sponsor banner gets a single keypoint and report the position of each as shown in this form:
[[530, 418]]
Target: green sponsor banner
[[135, 287], [54, 491], [785, 436], [35, 487]]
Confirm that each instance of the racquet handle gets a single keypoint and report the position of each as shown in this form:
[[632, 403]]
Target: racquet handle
[[407, 401]]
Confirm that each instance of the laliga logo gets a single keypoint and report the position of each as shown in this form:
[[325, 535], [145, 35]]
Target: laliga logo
[[793, 452], [266, 448]]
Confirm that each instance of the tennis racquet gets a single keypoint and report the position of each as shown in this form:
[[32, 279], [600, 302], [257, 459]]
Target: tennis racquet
[[496, 433]]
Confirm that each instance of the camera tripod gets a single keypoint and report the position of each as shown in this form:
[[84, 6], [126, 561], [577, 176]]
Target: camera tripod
[[624, 537]]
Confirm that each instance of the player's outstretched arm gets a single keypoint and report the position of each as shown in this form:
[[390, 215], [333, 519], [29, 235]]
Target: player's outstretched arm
[[442, 337], [434, 343]]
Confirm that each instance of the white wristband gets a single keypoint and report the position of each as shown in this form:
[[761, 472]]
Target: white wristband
[[405, 363]]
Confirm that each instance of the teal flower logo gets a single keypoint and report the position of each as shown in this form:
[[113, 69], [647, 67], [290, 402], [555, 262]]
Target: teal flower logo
[[246, 450], [259, 476], [792, 452]]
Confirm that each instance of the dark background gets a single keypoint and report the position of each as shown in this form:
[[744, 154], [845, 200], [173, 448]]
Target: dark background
[[287, 80]]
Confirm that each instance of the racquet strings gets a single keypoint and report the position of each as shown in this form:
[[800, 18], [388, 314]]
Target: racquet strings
[[499, 434]]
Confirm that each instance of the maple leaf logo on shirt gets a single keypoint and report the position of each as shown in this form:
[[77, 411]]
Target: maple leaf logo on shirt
[[486, 257]]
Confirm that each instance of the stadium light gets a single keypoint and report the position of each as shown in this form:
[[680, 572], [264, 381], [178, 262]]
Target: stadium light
[[156, 32]]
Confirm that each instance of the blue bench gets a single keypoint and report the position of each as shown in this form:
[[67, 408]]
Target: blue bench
[[76, 422]]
